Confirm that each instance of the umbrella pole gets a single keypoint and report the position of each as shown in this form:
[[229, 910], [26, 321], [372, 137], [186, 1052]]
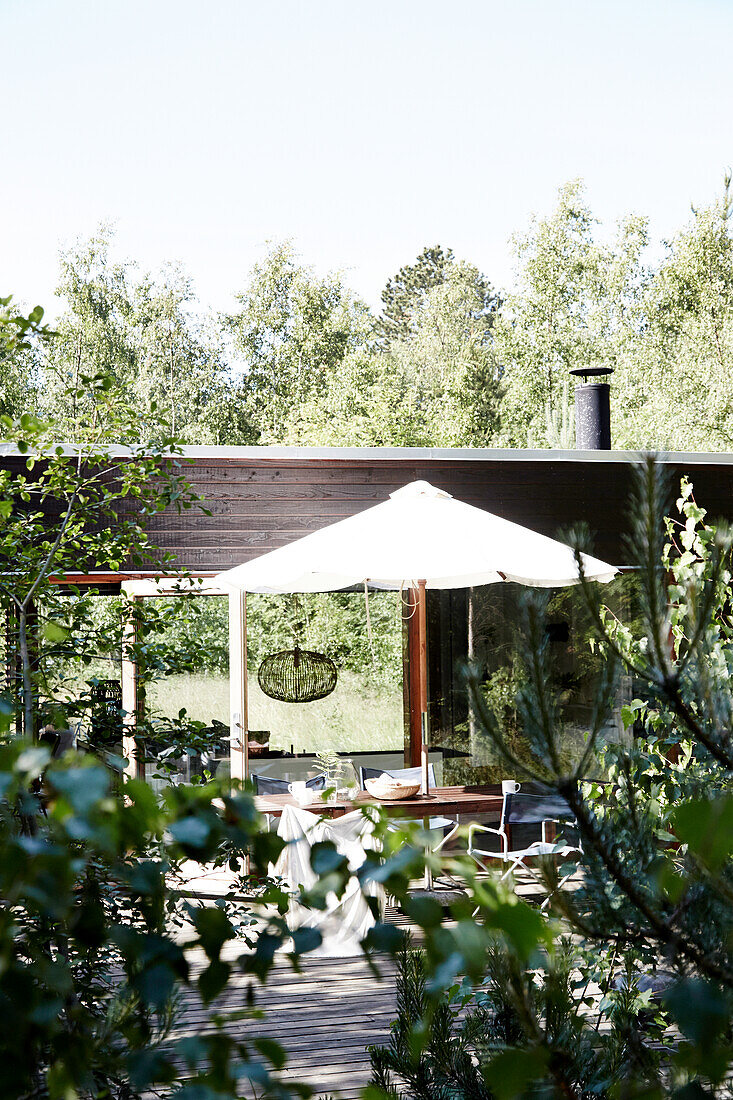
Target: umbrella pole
[[422, 628], [423, 647]]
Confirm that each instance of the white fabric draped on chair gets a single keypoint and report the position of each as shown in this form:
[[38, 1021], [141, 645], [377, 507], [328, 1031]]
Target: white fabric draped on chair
[[346, 920]]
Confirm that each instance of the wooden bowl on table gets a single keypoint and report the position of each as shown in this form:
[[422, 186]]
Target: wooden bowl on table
[[387, 789]]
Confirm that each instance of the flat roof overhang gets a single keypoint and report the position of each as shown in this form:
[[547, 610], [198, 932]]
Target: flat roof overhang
[[264, 497]]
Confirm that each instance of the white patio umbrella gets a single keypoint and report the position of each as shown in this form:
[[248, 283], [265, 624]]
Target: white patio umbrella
[[420, 538]]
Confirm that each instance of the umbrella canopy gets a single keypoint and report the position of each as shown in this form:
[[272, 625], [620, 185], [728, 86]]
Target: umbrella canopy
[[420, 534]]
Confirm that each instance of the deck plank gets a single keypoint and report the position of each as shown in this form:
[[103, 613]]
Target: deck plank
[[325, 1017]]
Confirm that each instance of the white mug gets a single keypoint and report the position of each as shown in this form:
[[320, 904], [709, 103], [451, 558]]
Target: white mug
[[510, 786], [300, 792]]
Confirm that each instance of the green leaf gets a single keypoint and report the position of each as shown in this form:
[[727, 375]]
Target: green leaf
[[524, 927], [82, 787], [60, 1082], [54, 632], [32, 761], [510, 1072], [214, 929], [700, 1009], [273, 1051], [191, 832], [155, 984], [425, 911], [213, 979], [325, 859], [306, 939], [384, 937], [706, 826]]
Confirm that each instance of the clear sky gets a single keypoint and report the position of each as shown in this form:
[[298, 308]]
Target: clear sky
[[362, 130]]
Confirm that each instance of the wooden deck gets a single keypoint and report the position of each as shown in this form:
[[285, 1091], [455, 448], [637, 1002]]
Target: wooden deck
[[325, 1018]]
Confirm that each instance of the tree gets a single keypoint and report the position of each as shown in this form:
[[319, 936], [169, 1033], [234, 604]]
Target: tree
[[83, 489], [371, 400], [576, 305], [436, 385], [146, 334], [94, 337], [674, 390], [90, 934], [449, 358], [20, 336], [406, 291], [90, 926], [293, 331]]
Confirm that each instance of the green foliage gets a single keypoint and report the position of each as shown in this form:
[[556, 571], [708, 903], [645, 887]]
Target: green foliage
[[576, 304], [516, 1033], [665, 328], [84, 484], [448, 357], [673, 391], [94, 961], [141, 332], [625, 987], [317, 376], [448, 362], [292, 331], [407, 293], [20, 337]]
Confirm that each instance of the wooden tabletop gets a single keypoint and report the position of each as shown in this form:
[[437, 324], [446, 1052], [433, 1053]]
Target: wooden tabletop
[[449, 801]]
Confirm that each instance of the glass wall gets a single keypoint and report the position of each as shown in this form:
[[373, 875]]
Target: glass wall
[[480, 625]]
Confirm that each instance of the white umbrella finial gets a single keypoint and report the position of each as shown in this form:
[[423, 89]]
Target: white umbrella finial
[[419, 489]]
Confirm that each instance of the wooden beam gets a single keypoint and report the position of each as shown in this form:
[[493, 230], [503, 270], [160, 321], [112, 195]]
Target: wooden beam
[[173, 586], [133, 695], [422, 626], [411, 673], [238, 716]]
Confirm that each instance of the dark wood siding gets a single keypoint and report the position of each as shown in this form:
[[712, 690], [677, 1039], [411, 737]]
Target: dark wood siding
[[258, 504]]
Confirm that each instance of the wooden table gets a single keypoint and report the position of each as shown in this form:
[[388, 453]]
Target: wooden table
[[442, 801], [445, 801]]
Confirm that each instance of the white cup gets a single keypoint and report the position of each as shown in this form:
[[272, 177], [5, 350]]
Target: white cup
[[510, 786], [300, 792]]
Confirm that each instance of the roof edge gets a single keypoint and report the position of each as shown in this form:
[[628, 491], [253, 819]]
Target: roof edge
[[411, 454]]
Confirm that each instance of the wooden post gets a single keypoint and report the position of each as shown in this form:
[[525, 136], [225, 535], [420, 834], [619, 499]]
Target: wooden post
[[411, 680], [238, 716], [13, 676], [133, 696], [422, 627]]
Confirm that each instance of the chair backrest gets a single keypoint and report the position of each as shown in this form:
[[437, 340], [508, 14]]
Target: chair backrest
[[265, 784], [415, 774], [533, 804]]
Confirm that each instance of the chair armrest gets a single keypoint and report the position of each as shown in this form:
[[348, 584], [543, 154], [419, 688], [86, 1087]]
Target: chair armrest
[[555, 821], [476, 828]]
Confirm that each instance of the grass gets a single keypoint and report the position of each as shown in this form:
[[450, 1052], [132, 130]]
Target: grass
[[356, 717]]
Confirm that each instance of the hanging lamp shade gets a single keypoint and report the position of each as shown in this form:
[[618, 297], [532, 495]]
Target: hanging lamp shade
[[297, 675]]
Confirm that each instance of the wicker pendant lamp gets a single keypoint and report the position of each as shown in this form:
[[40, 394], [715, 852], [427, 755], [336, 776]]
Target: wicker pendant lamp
[[297, 675]]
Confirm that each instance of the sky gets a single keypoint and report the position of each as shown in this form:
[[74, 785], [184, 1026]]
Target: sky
[[363, 131]]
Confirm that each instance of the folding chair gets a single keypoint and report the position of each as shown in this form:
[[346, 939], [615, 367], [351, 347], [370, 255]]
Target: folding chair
[[445, 825], [265, 784], [532, 805]]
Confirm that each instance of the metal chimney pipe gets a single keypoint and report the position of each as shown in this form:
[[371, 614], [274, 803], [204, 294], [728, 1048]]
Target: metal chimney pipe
[[592, 410]]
